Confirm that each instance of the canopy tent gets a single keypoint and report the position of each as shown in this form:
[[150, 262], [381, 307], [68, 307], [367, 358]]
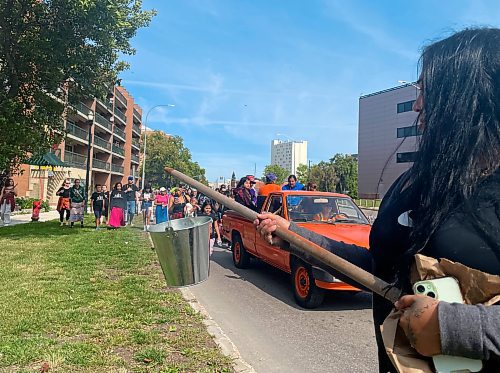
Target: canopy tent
[[47, 159]]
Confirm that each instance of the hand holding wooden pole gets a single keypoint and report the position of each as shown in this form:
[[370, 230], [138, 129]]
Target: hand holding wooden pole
[[301, 247]]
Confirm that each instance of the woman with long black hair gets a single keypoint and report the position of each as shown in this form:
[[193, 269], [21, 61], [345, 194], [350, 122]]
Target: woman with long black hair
[[243, 195], [117, 207], [449, 199]]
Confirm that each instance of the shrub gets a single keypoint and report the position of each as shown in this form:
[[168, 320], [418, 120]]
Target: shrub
[[26, 203]]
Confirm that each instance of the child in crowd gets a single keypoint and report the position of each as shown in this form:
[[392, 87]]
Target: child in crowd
[[97, 199]]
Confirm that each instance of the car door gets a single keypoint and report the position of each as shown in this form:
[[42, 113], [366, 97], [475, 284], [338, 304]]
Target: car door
[[272, 254]]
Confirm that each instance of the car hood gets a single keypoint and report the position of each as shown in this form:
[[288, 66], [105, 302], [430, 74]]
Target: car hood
[[357, 234]]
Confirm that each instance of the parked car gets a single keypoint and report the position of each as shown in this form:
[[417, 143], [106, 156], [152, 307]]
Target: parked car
[[330, 214]]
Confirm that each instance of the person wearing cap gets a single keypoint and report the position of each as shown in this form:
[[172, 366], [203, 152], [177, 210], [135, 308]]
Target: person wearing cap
[[161, 210], [131, 195], [270, 185]]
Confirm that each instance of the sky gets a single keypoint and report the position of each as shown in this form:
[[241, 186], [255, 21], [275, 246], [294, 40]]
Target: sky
[[241, 72]]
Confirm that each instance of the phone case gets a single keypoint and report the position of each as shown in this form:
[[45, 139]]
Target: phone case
[[447, 289]]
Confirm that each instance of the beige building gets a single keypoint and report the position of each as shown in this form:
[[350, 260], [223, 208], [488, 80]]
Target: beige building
[[387, 138], [289, 154], [115, 132]]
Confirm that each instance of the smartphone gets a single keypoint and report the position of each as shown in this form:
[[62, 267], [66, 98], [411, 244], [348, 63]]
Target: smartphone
[[447, 289]]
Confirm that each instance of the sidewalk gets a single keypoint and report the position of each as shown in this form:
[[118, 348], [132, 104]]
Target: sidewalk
[[26, 218]]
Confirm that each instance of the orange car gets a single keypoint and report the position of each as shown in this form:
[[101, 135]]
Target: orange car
[[330, 214]]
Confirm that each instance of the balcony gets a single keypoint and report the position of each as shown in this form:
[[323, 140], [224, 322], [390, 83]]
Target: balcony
[[84, 109], [136, 129], [103, 122], [109, 105], [120, 133], [134, 158], [118, 150], [120, 115], [137, 115], [117, 168], [75, 160], [136, 144], [96, 163], [120, 97], [77, 131], [102, 143]]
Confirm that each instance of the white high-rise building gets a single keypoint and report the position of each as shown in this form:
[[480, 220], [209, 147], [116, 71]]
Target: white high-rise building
[[289, 154]]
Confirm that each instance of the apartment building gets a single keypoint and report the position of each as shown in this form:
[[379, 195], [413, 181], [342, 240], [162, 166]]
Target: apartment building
[[387, 138], [113, 126], [289, 154]]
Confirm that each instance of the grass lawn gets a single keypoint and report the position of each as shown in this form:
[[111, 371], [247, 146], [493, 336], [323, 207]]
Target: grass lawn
[[87, 301]]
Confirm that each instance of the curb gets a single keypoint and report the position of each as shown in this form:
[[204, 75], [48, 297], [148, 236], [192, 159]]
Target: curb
[[221, 339], [227, 346]]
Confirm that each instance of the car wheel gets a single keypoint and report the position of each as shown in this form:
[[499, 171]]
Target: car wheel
[[241, 258], [305, 291]]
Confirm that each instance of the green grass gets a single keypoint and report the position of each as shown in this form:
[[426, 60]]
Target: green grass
[[88, 301]]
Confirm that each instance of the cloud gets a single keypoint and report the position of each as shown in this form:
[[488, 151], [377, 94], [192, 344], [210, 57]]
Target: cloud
[[368, 25], [210, 89]]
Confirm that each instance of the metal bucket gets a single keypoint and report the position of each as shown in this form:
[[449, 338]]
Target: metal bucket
[[183, 249]]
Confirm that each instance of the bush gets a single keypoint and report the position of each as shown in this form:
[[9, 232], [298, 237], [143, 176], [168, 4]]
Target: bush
[[26, 203]]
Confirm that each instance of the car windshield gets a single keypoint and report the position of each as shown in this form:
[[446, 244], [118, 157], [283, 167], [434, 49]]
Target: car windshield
[[324, 209]]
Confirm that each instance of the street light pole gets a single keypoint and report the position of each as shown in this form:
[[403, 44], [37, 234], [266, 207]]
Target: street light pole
[[145, 141]]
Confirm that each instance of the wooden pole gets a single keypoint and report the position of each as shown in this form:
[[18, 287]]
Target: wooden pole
[[301, 247]]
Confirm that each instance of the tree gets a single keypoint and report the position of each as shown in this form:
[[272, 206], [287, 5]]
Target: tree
[[303, 173], [346, 169], [57, 52], [280, 172], [163, 150], [324, 176]]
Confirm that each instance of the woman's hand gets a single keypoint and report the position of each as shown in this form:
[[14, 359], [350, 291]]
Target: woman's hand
[[266, 225], [420, 323]]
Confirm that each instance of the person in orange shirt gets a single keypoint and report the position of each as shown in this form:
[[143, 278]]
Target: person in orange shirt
[[267, 189], [270, 186]]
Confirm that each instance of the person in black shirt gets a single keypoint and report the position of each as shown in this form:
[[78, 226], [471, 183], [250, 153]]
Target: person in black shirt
[[131, 190], [63, 204], [206, 210], [117, 207], [445, 206], [97, 199]]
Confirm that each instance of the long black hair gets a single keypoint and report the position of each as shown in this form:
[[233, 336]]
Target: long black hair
[[459, 147]]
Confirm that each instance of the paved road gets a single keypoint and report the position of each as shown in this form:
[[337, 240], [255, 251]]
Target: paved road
[[255, 308]]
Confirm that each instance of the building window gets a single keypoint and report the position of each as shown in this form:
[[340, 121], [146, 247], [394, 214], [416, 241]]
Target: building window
[[405, 106], [408, 131], [405, 157]]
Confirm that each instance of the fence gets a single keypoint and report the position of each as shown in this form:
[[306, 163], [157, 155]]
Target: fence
[[368, 203]]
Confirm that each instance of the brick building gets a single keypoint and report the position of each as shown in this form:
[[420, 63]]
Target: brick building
[[115, 133]]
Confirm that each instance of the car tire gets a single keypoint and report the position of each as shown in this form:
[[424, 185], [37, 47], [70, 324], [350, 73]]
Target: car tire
[[305, 291], [241, 258]]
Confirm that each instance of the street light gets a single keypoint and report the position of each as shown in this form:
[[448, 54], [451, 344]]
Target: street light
[[90, 120], [145, 141]]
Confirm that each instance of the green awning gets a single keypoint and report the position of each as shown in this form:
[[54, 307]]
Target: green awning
[[47, 159]]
